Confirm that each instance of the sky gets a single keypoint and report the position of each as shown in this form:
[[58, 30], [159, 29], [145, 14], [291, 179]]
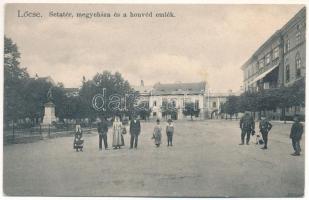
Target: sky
[[201, 43]]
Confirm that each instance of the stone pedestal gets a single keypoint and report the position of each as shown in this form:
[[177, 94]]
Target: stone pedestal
[[49, 113]]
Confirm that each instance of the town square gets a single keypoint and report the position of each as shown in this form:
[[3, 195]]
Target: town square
[[205, 160], [154, 100]]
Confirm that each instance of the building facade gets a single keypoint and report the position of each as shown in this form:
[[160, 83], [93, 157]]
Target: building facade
[[215, 100], [174, 94], [178, 95], [281, 60]]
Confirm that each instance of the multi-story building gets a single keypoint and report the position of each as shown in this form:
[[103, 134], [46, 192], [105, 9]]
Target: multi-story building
[[294, 48], [281, 60], [177, 94], [261, 71]]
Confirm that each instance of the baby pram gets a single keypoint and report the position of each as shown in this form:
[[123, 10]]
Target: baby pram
[[78, 143]]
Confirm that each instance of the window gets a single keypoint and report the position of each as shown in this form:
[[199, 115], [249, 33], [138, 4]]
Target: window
[[261, 63], [155, 103], [298, 65], [196, 104], [276, 53], [297, 109], [287, 46], [174, 103], [214, 104], [298, 37], [287, 73], [267, 58]]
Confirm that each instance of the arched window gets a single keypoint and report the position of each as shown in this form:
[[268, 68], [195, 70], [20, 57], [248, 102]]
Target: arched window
[[287, 73], [287, 46], [298, 65]]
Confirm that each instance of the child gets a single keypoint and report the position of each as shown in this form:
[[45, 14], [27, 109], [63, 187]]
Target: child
[[169, 132], [78, 138], [157, 133], [78, 141]]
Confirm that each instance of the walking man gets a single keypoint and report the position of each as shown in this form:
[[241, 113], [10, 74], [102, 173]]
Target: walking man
[[265, 127], [103, 129], [135, 129], [247, 126], [296, 133]]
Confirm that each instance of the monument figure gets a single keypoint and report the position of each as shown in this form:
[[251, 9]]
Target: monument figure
[[49, 109]]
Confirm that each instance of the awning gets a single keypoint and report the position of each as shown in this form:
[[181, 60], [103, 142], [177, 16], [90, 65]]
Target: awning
[[264, 74]]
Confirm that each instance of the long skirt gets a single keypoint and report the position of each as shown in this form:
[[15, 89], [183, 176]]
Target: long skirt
[[157, 138], [118, 138]]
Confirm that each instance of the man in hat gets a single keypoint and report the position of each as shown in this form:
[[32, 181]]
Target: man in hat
[[135, 129], [103, 129], [247, 126], [265, 127], [296, 133]]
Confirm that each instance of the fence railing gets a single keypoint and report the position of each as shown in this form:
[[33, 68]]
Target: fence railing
[[15, 134]]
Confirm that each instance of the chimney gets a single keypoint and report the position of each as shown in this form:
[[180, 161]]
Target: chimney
[[142, 83]]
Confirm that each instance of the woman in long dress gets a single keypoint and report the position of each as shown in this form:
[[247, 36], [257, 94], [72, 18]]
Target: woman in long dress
[[117, 133], [157, 133]]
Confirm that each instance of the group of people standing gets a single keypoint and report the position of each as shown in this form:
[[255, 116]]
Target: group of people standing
[[119, 130], [247, 126]]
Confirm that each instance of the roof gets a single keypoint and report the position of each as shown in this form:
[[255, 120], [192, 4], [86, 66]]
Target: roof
[[275, 36], [300, 15], [143, 89], [267, 43], [179, 88]]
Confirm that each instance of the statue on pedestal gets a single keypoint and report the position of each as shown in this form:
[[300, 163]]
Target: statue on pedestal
[[49, 109]]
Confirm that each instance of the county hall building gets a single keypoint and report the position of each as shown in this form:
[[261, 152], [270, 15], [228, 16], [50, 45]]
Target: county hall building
[[280, 61]]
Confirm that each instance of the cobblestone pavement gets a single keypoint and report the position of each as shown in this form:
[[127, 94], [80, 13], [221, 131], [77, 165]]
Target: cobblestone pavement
[[205, 161]]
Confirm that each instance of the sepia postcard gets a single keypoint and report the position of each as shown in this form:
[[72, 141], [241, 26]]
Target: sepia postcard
[[154, 100]]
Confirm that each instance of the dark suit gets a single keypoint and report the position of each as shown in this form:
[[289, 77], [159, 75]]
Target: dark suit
[[265, 127], [135, 129], [247, 126], [296, 133], [103, 129]]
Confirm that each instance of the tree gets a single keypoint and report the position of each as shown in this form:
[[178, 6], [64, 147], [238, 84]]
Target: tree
[[14, 82], [169, 109], [143, 110], [271, 99], [191, 110], [107, 95], [232, 105]]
